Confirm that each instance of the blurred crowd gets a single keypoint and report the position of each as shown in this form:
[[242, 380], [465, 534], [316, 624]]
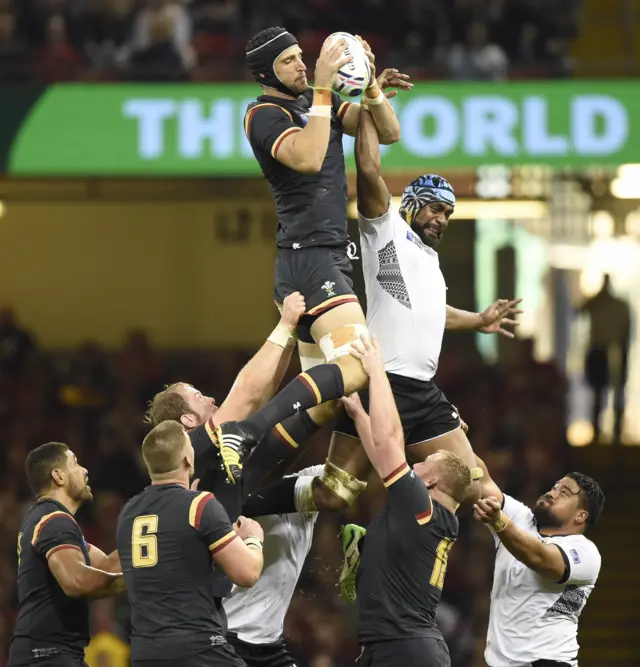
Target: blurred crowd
[[94, 400], [177, 40]]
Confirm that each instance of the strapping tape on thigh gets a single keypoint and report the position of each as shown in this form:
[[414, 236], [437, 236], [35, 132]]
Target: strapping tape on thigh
[[341, 483], [338, 343]]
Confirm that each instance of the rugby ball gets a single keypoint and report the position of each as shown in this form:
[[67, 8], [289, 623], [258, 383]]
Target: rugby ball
[[352, 78]]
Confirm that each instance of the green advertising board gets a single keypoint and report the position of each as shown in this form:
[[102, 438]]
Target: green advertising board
[[197, 129]]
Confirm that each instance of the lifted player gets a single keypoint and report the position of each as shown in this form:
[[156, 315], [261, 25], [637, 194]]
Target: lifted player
[[407, 305], [56, 567], [296, 135], [167, 537], [409, 321], [403, 558]]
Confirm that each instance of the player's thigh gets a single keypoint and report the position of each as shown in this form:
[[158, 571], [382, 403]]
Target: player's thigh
[[335, 331], [455, 441]]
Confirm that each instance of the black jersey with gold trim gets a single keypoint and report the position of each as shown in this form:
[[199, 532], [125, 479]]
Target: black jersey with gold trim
[[403, 562], [49, 623], [166, 538], [311, 208]]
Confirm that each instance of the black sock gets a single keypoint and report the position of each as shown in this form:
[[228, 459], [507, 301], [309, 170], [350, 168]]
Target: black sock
[[276, 499], [277, 450], [315, 386]]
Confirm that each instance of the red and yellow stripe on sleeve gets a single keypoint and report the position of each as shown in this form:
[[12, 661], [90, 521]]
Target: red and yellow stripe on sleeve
[[425, 517], [220, 544], [37, 531], [278, 142], [395, 475], [197, 508]]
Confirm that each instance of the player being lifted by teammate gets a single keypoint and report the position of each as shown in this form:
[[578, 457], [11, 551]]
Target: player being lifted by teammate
[[57, 569], [408, 313], [167, 537], [296, 135], [403, 561]]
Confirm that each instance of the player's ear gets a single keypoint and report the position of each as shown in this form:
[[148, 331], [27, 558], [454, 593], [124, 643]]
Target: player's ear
[[582, 516], [431, 482], [58, 476], [188, 420]]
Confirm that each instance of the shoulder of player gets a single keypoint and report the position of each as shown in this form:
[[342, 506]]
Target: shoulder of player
[[49, 516], [578, 541]]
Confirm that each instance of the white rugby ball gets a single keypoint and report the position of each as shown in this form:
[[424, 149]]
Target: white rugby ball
[[352, 78]]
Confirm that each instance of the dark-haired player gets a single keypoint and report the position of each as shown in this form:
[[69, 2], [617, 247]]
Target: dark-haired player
[[535, 609], [296, 133], [168, 538], [55, 573], [403, 562]]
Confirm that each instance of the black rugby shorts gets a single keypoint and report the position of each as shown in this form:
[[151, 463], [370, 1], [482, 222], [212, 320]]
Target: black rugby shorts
[[262, 655], [425, 652], [424, 410], [323, 277]]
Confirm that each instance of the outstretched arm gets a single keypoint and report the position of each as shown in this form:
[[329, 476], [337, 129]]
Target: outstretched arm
[[382, 437], [492, 320], [547, 559], [384, 115], [373, 196], [258, 381]]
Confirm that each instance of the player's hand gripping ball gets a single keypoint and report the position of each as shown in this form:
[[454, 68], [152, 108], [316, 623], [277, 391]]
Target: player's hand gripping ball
[[352, 78]]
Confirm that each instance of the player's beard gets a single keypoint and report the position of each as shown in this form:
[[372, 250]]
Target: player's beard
[[544, 517], [427, 239], [80, 491]]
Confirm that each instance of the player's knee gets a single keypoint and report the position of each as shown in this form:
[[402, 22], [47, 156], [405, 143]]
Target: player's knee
[[336, 489], [336, 347], [353, 375]]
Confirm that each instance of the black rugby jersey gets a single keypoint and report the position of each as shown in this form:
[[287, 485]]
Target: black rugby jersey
[[311, 208], [49, 623], [166, 537], [208, 469], [403, 563]]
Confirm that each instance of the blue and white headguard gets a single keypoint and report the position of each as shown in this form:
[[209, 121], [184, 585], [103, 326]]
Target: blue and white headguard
[[425, 189]]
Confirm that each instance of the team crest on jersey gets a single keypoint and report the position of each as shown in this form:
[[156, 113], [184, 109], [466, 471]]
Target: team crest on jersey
[[575, 556], [328, 288]]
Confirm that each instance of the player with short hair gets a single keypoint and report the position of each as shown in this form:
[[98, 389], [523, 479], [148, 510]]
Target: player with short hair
[[296, 135], [167, 538], [403, 559], [535, 609], [56, 568], [256, 615]]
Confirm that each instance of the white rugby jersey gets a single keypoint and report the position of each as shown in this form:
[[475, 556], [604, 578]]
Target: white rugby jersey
[[257, 614], [406, 295], [532, 618]]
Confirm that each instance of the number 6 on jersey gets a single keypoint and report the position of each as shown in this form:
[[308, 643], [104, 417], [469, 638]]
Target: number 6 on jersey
[[144, 543]]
